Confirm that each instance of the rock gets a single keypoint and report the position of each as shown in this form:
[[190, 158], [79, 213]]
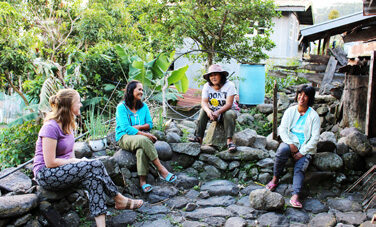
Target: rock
[[17, 181], [273, 219], [178, 202], [235, 221], [264, 178], [173, 137], [353, 161], [370, 160], [271, 144], [189, 124], [204, 194], [359, 143], [192, 149], [158, 222], [347, 131], [182, 160], [352, 218], [209, 212], [245, 119], [190, 207], [161, 136], [367, 224], [126, 217], [265, 108], [215, 135], [213, 160], [151, 210], [207, 149], [295, 215], [16, 205], [244, 154], [314, 206], [125, 159], [198, 165], [185, 181], [214, 221], [323, 219], [81, 149], [72, 219], [233, 165], [164, 150], [283, 102], [344, 205], [247, 190], [264, 199], [260, 142], [245, 138], [327, 161], [322, 110], [210, 173], [243, 211], [194, 224], [23, 220], [98, 145], [342, 148], [220, 187], [266, 163], [324, 98], [327, 142], [160, 193], [216, 201], [270, 117]]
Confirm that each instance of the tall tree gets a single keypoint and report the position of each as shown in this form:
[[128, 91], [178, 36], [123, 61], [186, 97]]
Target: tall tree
[[238, 28]]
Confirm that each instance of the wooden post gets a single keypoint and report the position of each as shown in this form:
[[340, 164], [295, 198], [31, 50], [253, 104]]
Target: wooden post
[[319, 47], [371, 100], [325, 47], [328, 76], [275, 111]]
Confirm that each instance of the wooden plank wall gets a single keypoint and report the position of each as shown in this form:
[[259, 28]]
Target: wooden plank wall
[[371, 100]]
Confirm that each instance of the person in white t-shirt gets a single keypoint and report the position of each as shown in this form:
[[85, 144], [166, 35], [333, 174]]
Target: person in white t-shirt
[[217, 104]]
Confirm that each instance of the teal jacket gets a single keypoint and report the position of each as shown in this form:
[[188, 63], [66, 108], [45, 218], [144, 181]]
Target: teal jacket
[[125, 119]]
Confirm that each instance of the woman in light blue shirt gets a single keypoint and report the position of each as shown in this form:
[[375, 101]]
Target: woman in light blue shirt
[[133, 122], [300, 132]]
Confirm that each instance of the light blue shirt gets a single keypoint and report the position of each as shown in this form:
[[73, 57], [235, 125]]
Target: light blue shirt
[[298, 128], [126, 119]]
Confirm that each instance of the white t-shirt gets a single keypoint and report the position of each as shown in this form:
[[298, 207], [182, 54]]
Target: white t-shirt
[[217, 99]]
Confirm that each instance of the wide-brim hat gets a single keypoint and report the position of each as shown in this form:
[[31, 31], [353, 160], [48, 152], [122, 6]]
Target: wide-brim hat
[[215, 69]]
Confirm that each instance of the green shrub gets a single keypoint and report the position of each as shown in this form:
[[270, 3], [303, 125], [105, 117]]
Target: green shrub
[[17, 143]]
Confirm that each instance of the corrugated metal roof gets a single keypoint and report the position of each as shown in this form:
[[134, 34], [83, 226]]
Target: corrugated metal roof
[[335, 26], [302, 8]]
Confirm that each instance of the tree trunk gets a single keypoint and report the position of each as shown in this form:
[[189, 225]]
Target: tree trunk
[[15, 88], [354, 101], [209, 61]]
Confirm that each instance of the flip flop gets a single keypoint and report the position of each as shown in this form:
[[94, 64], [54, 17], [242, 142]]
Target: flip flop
[[271, 186], [146, 186], [295, 203], [170, 177]]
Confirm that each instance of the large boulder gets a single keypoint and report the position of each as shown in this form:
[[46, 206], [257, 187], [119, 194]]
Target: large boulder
[[327, 161], [264, 199], [81, 149], [245, 138], [265, 108], [215, 135], [359, 143], [220, 187], [17, 205], [353, 161], [214, 160], [125, 159]]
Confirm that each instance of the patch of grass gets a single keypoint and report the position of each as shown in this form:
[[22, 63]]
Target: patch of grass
[[176, 167], [184, 138]]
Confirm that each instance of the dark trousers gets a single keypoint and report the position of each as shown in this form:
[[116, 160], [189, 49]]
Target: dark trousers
[[281, 157], [90, 175]]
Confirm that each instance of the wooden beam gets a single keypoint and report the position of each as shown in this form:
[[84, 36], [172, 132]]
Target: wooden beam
[[311, 77], [319, 47], [314, 67], [371, 100], [326, 45], [319, 59], [275, 111], [328, 76], [340, 55]]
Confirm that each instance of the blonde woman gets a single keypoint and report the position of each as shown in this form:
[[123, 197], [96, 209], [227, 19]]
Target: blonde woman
[[55, 166]]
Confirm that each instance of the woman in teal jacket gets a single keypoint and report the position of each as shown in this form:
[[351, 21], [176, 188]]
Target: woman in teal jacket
[[133, 122]]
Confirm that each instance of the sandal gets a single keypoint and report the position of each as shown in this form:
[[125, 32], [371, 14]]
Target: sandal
[[271, 186], [295, 203], [132, 204], [146, 186], [195, 140], [231, 147], [170, 177]]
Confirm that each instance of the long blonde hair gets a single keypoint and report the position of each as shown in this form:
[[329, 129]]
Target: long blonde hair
[[61, 104]]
